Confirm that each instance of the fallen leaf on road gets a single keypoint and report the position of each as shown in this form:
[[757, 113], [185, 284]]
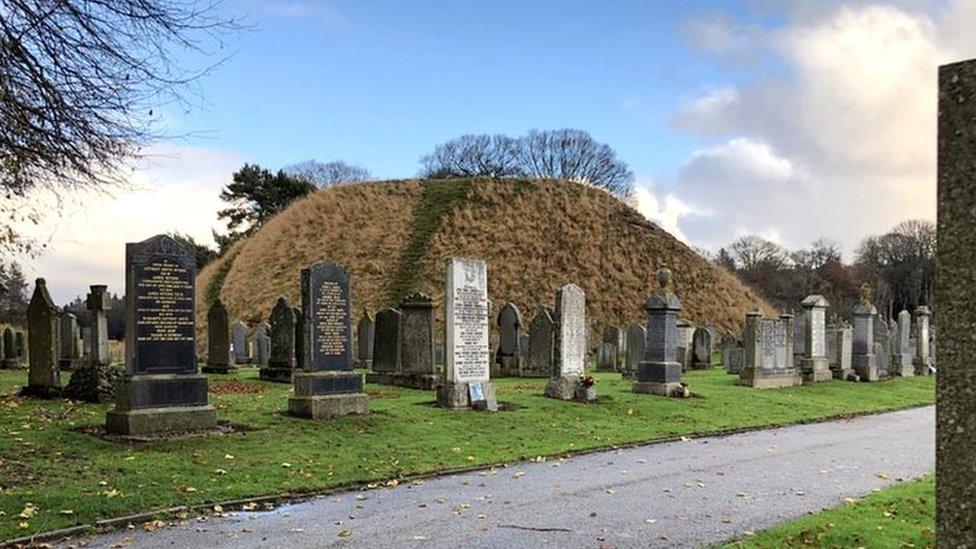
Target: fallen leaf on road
[[345, 533]]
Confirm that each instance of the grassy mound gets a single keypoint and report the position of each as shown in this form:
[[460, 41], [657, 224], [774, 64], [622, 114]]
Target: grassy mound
[[536, 236]]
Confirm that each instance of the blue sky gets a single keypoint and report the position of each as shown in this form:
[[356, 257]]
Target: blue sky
[[793, 120]]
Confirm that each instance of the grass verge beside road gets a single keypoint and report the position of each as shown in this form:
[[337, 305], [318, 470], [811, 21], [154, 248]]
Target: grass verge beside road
[[52, 475]]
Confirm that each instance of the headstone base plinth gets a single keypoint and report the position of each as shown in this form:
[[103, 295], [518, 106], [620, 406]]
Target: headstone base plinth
[[673, 389], [218, 369], [422, 382], [867, 373], [505, 366], [660, 378], [365, 364], [562, 388], [160, 420], [904, 370], [328, 394], [815, 370], [584, 394], [41, 391], [750, 378], [456, 396], [276, 375], [921, 367], [844, 374]]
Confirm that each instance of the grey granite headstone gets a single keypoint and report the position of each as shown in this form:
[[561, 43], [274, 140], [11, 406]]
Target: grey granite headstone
[[815, 367], [97, 340], [466, 313], [219, 357], [769, 352], [327, 386], [921, 360], [43, 326], [799, 339], [238, 338], [901, 353], [606, 357], [417, 368], [840, 344], [541, 345], [262, 344], [509, 328], [162, 390], [365, 331], [685, 333], [636, 335], [882, 345], [386, 347], [570, 342], [864, 360], [70, 357], [659, 373], [701, 348], [733, 358], [283, 362]]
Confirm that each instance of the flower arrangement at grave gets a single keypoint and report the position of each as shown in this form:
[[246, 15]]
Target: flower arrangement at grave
[[585, 389], [587, 380]]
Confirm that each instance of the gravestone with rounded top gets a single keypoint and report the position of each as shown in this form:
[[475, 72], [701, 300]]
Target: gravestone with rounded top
[[43, 327], [815, 367], [507, 355], [238, 338], [569, 342], [659, 373], [541, 346], [768, 347], [701, 348], [685, 331], [282, 361], [863, 359], [466, 310], [161, 390], [327, 386], [219, 357]]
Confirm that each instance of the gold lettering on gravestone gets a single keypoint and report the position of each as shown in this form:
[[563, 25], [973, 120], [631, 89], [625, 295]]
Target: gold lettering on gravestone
[[164, 304], [330, 320]]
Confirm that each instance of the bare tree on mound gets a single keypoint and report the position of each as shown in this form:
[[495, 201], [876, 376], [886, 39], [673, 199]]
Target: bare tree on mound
[[81, 82], [473, 156], [327, 174]]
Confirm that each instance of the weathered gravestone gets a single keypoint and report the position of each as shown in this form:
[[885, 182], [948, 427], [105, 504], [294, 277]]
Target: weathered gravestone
[[733, 358], [659, 373], [769, 352], [882, 346], [282, 362], [542, 351], [22, 350], [569, 342], [70, 355], [386, 347], [616, 337], [955, 299], [840, 345], [11, 361], [523, 354], [863, 359], [162, 390], [301, 334], [43, 327], [799, 339], [417, 369], [921, 360], [219, 358], [814, 366], [365, 332], [262, 344], [86, 343], [701, 349], [327, 387], [901, 354], [636, 335], [606, 357], [508, 352], [466, 310], [97, 341], [685, 334], [238, 337]]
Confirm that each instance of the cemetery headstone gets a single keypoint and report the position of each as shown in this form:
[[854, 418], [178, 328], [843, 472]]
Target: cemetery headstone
[[863, 359], [769, 352], [509, 328], [97, 304], [22, 350], [569, 342], [417, 369], [327, 386], [921, 360], [799, 339], [11, 361], [466, 311], [686, 332], [541, 345], [162, 390], [523, 354], [659, 373], [701, 348], [902, 352], [301, 330], [815, 367], [615, 336], [219, 357], [386, 347], [282, 362], [262, 344], [86, 342], [840, 346], [70, 358], [882, 346], [238, 337], [43, 326], [365, 332], [636, 335], [606, 357], [733, 358]]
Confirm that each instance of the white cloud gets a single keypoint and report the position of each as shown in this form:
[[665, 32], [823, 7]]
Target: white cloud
[[666, 211], [175, 189]]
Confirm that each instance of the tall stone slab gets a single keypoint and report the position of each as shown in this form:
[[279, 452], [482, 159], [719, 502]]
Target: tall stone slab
[[686, 332], [97, 303], [43, 331], [509, 329], [955, 301], [219, 357], [701, 348], [882, 346], [161, 390], [570, 342], [922, 359], [616, 337], [301, 334], [466, 350], [659, 373], [365, 332], [814, 366], [606, 357], [262, 344], [238, 338], [327, 387], [282, 362], [541, 347], [386, 347], [70, 357], [636, 335], [864, 360], [417, 362], [11, 361], [840, 349], [22, 349], [769, 353]]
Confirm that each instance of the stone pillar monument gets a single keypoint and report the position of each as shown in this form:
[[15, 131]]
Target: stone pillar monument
[[97, 304], [922, 359], [814, 366], [467, 373], [902, 353], [569, 344], [43, 327], [659, 373], [161, 390], [863, 359]]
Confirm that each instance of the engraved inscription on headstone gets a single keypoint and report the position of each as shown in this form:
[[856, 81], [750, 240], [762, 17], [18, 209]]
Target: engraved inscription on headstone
[[467, 321], [325, 288]]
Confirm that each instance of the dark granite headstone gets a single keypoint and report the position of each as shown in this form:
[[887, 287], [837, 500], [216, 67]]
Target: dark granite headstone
[[281, 363], [636, 335], [659, 373], [327, 387], [162, 390], [365, 331], [509, 327], [864, 361], [10, 359], [386, 343], [219, 358], [541, 346], [301, 336], [43, 326]]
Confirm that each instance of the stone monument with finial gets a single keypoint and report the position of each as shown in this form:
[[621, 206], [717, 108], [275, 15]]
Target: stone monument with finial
[[659, 373], [863, 359]]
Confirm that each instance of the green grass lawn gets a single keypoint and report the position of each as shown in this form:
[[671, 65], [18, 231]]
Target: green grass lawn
[[71, 478], [900, 516]]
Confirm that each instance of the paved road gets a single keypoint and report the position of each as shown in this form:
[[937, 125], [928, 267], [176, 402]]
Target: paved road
[[685, 493]]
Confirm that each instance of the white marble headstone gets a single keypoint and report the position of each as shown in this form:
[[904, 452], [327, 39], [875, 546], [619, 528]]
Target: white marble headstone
[[466, 316], [571, 312]]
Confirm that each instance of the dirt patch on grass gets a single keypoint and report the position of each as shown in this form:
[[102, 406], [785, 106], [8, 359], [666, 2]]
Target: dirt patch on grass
[[223, 428], [234, 387]]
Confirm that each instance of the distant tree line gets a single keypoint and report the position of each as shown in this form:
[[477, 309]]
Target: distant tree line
[[115, 315], [898, 265]]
